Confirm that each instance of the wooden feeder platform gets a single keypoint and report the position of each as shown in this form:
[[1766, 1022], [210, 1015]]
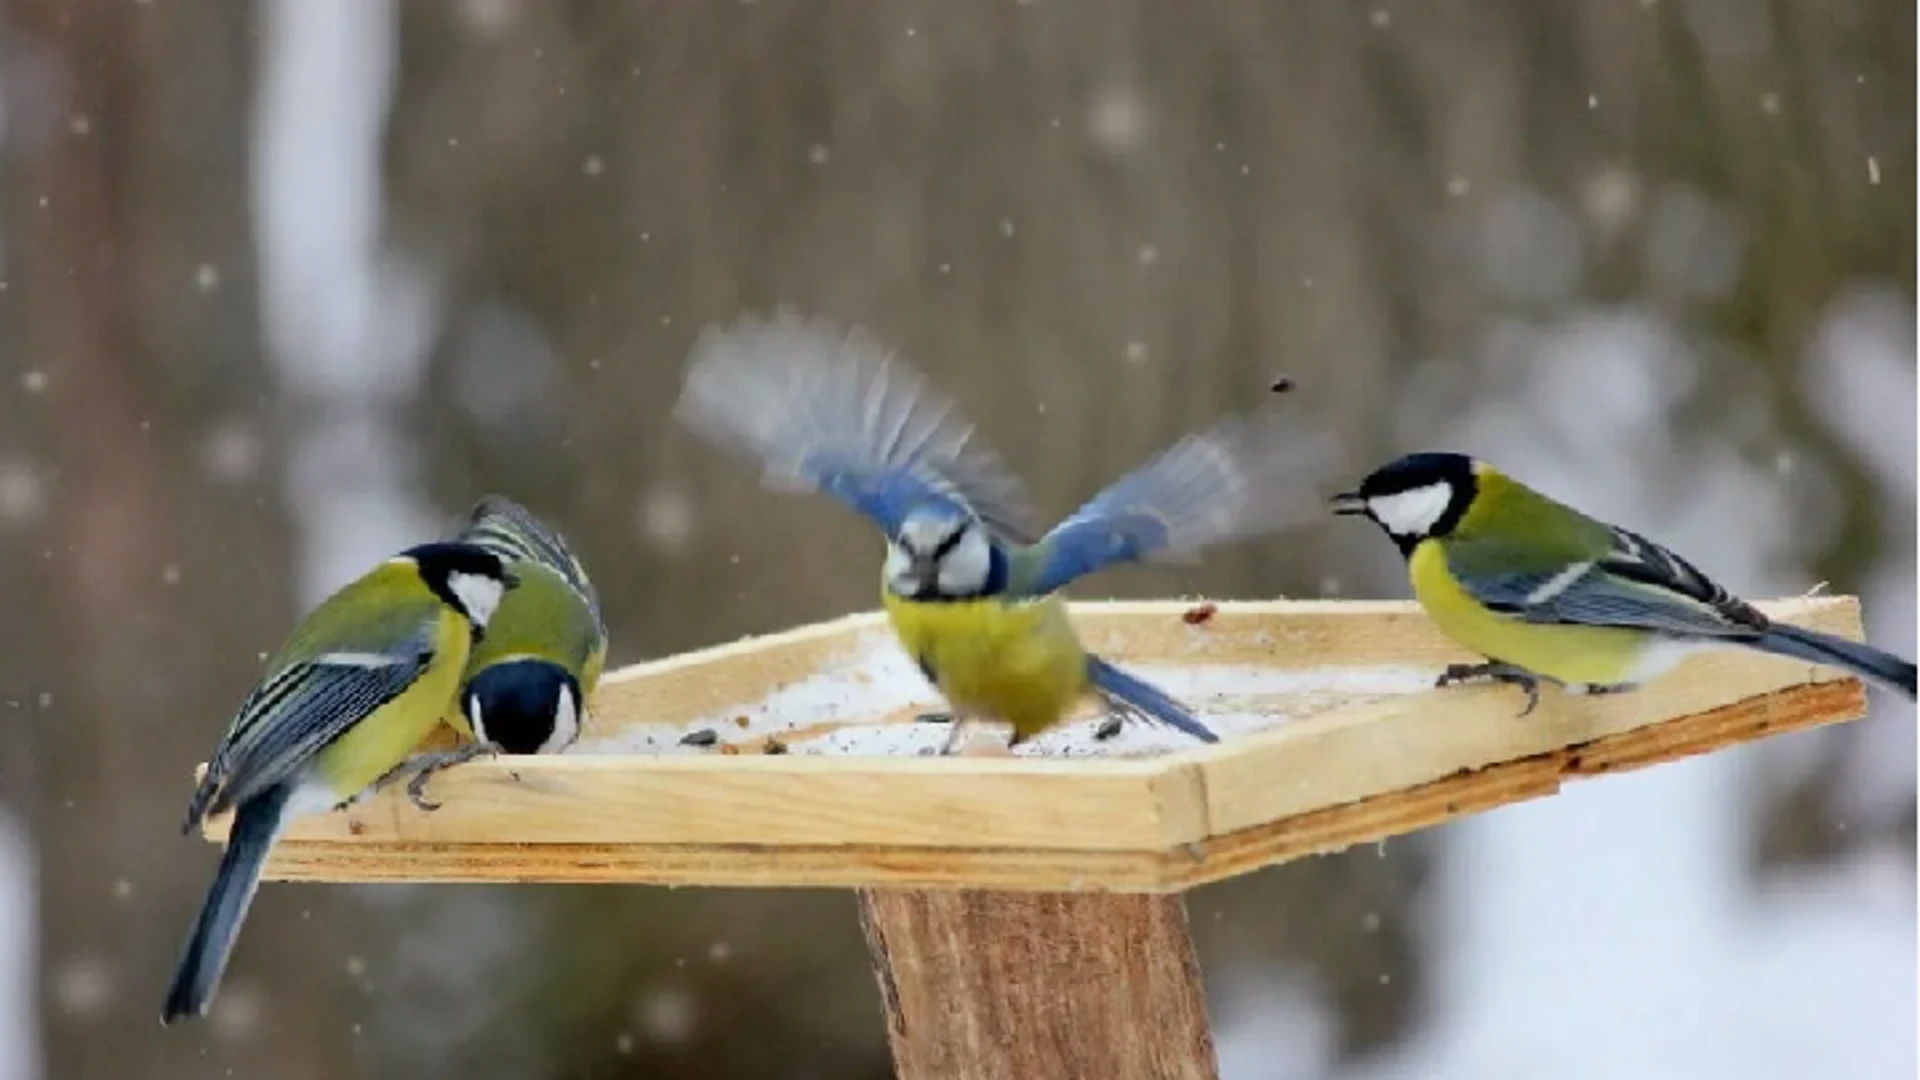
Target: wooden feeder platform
[[1023, 911]]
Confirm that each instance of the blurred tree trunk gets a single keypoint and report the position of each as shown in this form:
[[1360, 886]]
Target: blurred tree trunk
[[129, 298]]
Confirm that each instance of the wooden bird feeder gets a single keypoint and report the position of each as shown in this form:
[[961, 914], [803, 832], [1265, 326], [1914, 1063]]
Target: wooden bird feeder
[[1024, 913]]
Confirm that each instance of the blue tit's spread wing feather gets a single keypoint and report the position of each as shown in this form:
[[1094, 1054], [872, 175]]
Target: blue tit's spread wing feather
[[511, 532], [833, 410], [300, 708], [1637, 584], [1244, 476]]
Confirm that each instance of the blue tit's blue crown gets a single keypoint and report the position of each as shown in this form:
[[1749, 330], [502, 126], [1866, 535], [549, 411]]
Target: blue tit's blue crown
[[932, 517]]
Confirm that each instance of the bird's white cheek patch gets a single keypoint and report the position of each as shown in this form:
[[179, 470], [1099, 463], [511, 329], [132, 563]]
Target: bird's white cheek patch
[[1414, 511], [899, 571], [475, 719], [480, 595], [566, 723]]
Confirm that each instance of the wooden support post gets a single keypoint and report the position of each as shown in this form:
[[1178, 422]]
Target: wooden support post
[[981, 985]]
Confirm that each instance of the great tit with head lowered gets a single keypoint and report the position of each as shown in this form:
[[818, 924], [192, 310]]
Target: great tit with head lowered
[[1544, 591], [361, 681], [528, 682], [972, 597]]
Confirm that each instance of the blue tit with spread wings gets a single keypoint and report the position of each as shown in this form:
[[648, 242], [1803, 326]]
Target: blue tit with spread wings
[[971, 591], [356, 687], [1545, 591]]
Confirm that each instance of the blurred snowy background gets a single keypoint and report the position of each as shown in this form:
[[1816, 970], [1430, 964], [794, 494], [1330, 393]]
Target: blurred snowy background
[[285, 285]]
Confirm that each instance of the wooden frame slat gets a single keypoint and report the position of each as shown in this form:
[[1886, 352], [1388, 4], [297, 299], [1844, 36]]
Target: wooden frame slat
[[1362, 766]]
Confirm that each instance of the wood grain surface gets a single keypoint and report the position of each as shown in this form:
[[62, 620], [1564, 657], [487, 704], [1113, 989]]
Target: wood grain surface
[[982, 985]]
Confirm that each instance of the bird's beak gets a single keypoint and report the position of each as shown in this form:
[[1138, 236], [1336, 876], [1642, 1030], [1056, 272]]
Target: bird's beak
[[1347, 502]]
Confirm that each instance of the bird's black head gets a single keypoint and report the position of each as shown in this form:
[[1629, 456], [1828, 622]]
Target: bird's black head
[[1414, 497], [523, 706], [470, 579]]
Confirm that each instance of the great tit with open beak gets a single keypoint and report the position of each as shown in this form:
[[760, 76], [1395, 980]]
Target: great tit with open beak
[[361, 681], [971, 595], [1544, 591]]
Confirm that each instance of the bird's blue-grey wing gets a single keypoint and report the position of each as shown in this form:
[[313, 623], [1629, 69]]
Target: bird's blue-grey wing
[[1245, 475], [511, 532], [830, 409], [1637, 584], [295, 712]]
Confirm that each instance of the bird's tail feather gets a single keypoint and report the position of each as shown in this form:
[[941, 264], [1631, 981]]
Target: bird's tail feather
[[1142, 698], [256, 824], [1857, 657]]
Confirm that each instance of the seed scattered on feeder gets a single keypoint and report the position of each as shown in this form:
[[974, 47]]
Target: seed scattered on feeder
[[1198, 616]]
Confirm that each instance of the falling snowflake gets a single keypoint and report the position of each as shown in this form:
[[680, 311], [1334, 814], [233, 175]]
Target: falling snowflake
[[668, 1015], [1117, 119], [232, 451], [23, 495], [666, 519]]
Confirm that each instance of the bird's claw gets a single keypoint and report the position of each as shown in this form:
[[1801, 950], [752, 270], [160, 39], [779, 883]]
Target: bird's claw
[[423, 766], [1532, 688], [934, 718], [1498, 672], [417, 792], [1108, 728]]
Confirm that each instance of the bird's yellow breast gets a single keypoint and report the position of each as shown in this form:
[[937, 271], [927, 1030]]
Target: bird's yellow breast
[[1568, 654], [394, 730], [1016, 662]]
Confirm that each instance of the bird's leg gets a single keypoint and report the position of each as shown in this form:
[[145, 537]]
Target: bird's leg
[[1498, 672], [966, 724], [936, 716], [422, 766], [955, 735]]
